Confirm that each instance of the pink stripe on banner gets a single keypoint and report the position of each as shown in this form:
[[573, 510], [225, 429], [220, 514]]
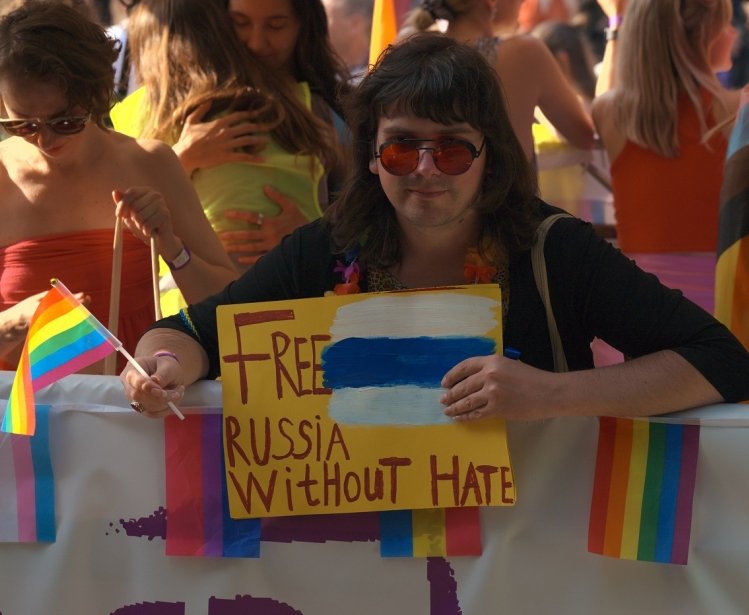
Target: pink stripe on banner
[[692, 273], [25, 488], [212, 447], [75, 364], [463, 531], [184, 485], [683, 522]]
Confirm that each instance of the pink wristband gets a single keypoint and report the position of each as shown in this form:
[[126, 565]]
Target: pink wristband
[[615, 21], [166, 353]]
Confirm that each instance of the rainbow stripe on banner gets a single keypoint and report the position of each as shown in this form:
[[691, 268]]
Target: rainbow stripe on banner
[[197, 504], [27, 506], [437, 532], [641, 507], [63, 338]]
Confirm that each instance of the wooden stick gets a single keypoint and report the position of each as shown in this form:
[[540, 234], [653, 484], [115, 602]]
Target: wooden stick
[[110, 362], [155, 278]]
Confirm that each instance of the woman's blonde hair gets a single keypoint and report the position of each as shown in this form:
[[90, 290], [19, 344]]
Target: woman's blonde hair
[[185, 52], [664, 54], [424, 16]]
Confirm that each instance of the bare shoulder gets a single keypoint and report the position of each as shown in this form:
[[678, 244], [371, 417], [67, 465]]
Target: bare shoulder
[[151, 155], [602, 106], [145, 148], [525, 46]]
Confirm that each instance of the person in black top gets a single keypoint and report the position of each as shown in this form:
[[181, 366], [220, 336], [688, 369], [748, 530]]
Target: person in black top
[[440, 186]]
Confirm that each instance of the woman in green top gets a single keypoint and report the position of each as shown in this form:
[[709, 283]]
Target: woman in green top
[[206, 94]]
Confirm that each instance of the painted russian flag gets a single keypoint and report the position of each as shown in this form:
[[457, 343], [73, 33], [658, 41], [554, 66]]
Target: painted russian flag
[[197, 505], [643, 491], [63, 338], [411, 343], [430, 533], [27, 506]]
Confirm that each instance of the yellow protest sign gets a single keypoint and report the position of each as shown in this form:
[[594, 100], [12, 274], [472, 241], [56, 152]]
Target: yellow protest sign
[[331, 404]]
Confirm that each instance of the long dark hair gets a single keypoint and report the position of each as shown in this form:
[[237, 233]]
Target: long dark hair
[[186, 52], [314, 58], [434, 77]]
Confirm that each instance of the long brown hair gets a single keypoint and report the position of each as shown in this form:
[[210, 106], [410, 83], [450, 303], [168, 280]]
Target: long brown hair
[[54, 43], [314, 58], [434, 77], [186, 52], [663, 54]]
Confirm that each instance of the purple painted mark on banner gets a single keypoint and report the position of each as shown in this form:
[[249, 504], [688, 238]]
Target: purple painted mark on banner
[[352, 527], [151, 527], [443, 589], [152, 608], [247, 604]]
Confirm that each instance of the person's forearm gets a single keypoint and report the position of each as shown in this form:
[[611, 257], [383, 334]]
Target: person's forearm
[[191, 355], [606, 77], [659, 383], [201, 279]]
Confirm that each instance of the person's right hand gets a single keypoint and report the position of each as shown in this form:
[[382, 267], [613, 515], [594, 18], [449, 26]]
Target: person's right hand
[[14, 322], [226, 139], [150, 396]]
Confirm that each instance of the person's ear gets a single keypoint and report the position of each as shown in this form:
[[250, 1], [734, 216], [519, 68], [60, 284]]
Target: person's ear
[[373, 166]]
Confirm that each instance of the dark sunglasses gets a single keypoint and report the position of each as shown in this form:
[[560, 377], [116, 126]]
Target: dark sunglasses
[[61, 125], [451, 156]]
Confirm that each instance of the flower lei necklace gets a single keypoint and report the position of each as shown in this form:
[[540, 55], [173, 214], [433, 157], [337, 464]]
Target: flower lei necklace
[[475, 271]]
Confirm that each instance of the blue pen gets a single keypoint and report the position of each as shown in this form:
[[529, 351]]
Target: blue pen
[[512, 353]]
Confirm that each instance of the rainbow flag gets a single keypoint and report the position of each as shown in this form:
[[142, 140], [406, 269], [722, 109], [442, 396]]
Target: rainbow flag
[[63, 338], [27, 505], [732, 269], [384, 28], [430, 532], [643, 490], [197, 505]]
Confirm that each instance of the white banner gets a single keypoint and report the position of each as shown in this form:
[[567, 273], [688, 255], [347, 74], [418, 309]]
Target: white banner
[[109, 553]]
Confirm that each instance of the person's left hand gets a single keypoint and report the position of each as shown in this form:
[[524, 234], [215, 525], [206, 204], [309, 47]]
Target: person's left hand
[[144, 212], [251, 244], [494, 386], [150, 396], [235, 137]]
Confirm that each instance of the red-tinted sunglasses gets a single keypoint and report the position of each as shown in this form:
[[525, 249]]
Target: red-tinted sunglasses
[[61, 125], [451, 156]]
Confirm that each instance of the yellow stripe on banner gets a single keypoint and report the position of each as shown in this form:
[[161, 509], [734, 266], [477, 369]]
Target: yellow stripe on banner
[[429, 532], [638, 464], [384, 28], [725, 282], [58, 325]]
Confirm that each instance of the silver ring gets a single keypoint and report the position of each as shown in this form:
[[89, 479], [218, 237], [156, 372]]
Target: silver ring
[[260, 218], [137, 406]]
